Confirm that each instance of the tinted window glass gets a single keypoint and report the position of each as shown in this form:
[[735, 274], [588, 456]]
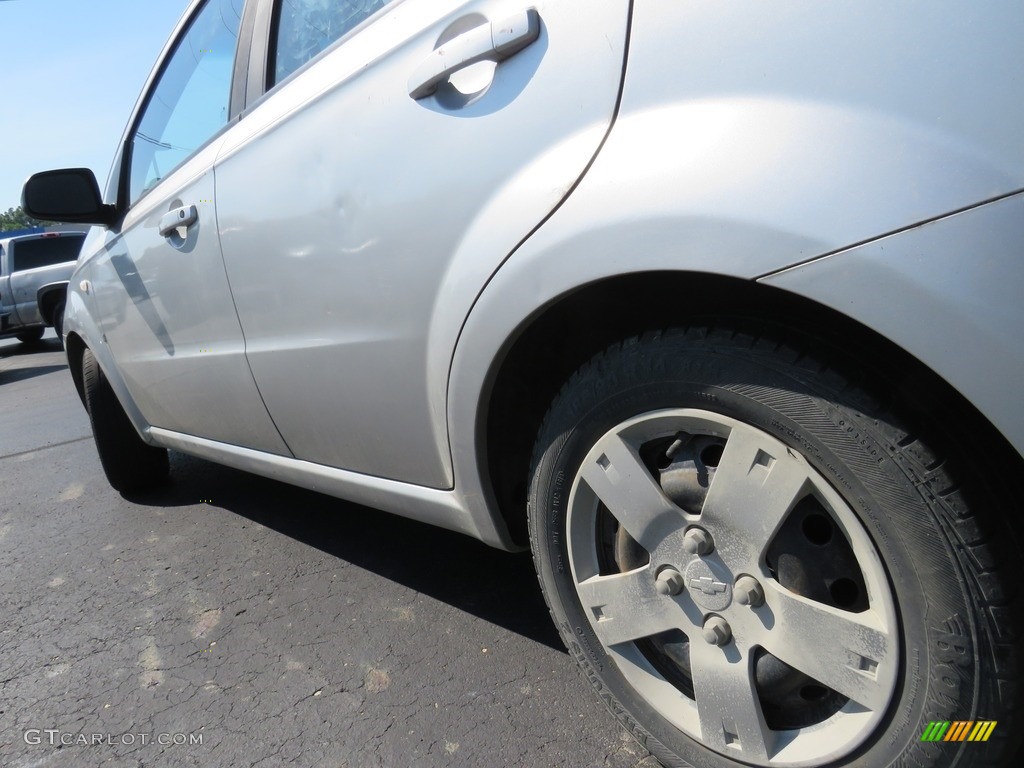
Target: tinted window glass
[[44, 251], [306, 27], [190, 100]]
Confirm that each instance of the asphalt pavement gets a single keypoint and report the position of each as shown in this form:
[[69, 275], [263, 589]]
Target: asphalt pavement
[[229, 620]]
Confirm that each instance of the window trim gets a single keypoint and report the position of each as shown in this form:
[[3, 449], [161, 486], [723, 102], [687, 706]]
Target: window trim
[[265, 40], [259, 51], [236, 97], [243, 58]]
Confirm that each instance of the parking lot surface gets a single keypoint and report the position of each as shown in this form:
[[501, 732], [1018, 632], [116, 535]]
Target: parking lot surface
[[229, 620]]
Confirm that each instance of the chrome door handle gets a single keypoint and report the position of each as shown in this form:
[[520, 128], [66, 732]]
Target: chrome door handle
[[488, 42], [185, 216]]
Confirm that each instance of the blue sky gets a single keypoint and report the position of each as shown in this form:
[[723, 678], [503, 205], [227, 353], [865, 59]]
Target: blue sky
[[70, 72]]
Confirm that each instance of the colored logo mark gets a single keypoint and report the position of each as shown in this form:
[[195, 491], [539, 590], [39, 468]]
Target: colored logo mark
[[959, 730]]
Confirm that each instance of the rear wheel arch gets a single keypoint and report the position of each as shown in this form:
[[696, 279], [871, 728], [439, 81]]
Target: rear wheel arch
[[553, 343], [48, 298]]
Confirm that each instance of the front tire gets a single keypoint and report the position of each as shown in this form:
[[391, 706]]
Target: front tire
[[128, 462], [754, 563]]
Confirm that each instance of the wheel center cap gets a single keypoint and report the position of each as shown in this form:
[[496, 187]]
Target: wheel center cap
[[706, 589]]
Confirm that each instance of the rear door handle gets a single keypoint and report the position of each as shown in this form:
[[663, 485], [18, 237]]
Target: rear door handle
[[488, 42], [185, 216]]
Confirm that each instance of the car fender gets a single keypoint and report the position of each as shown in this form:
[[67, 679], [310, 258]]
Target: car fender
[[740, 187], [541, 272]]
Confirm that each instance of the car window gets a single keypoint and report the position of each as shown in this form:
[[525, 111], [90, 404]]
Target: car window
[[189, 102], [44, 251], [303, 28]]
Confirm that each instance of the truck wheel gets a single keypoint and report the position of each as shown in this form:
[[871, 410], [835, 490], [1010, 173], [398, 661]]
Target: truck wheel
[[31, 336], [754, 563], [128, 462], [58, 322]]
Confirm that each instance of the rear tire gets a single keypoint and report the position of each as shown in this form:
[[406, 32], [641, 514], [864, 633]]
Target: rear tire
[[755, 563], [128, 462], [58, 322], [31, 336]]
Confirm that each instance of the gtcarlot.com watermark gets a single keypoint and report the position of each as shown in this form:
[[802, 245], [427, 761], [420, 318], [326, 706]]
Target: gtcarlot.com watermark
[[57, 738]]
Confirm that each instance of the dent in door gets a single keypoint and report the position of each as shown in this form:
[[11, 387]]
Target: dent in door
[[342, 211]]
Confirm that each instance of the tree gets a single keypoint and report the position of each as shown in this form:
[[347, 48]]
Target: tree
[[16, 218]]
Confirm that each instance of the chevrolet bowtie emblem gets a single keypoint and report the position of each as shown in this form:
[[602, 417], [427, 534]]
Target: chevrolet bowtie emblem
[[708, 586]]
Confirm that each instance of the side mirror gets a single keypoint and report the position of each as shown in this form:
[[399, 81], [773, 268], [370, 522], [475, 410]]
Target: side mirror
[[70, 195]]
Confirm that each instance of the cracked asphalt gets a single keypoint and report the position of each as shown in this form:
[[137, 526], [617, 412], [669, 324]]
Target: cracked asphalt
[[229, 620]]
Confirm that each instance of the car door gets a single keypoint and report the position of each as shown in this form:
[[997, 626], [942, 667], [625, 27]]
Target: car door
[[161, 294], [368, 182]]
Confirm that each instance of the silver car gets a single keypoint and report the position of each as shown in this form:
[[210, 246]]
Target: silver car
[[714, 305]]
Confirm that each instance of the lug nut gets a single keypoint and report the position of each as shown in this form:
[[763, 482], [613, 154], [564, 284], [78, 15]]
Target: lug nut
[[697, 541], [669, 582], [748, 591], [717, 631]]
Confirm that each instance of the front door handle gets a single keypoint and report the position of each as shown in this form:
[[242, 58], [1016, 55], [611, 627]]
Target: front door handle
[[185, 217], [488, 42]]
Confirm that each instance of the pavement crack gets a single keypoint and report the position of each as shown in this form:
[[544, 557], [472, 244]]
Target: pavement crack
[[45, 448]]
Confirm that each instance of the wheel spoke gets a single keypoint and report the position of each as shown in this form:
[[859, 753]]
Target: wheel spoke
[[625, 607], [849, 652], [619, 479], [757, 483], [730, 714]]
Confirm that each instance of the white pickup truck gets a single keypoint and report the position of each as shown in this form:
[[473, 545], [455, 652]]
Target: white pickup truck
[[34, 274]]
